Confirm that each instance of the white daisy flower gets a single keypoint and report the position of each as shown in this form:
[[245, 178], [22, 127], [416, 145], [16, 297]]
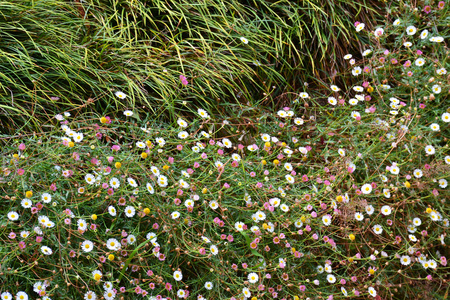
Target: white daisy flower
[[150, 188], [214, 250], [21, 296], [386, 210], [206, 240], [109, 294], [131, 239], [161, 142], [360, 27], [419, 62], [24, 234], [132, 182], [243, 40], [114, 183], [423, 34], [430, 150], [359, 216], [213, 205], [82, 224], [372, 292], [253, 277], [288, 151], [130, 211], [326, 220], [208, 285], [203, 113], [183, 134], [227, 143], [411, 30], [331, 278], [290, 178], [6, 296], [182, 123], [353, 101], [90, 179], [78, 137], [151, 236], [275, 202], [236, 157], [108, 285], [113, 244], [46, 250], [205, 134], [154, 170], [436, 89], [120, 95], [432, 264], [183, 184], [356, 71], [378, 229], [298, 121], [394, 170], [254, 229], [112, 211], [335, 88], [332, 100], [265, 137], [366, 52], [87, 246], [261, 216], [140, 144], [355, 115], [284, 207], [303, 95], [46, 197], [239, 226], [366, 189]]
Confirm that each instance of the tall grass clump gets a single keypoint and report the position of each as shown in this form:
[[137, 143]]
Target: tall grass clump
[[56, 55]]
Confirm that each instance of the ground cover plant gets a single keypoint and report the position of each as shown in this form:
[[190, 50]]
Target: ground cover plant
[[342, 192]]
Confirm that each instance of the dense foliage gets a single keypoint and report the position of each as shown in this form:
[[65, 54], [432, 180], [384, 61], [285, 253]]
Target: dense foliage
[[57, 54], [343, 192]]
